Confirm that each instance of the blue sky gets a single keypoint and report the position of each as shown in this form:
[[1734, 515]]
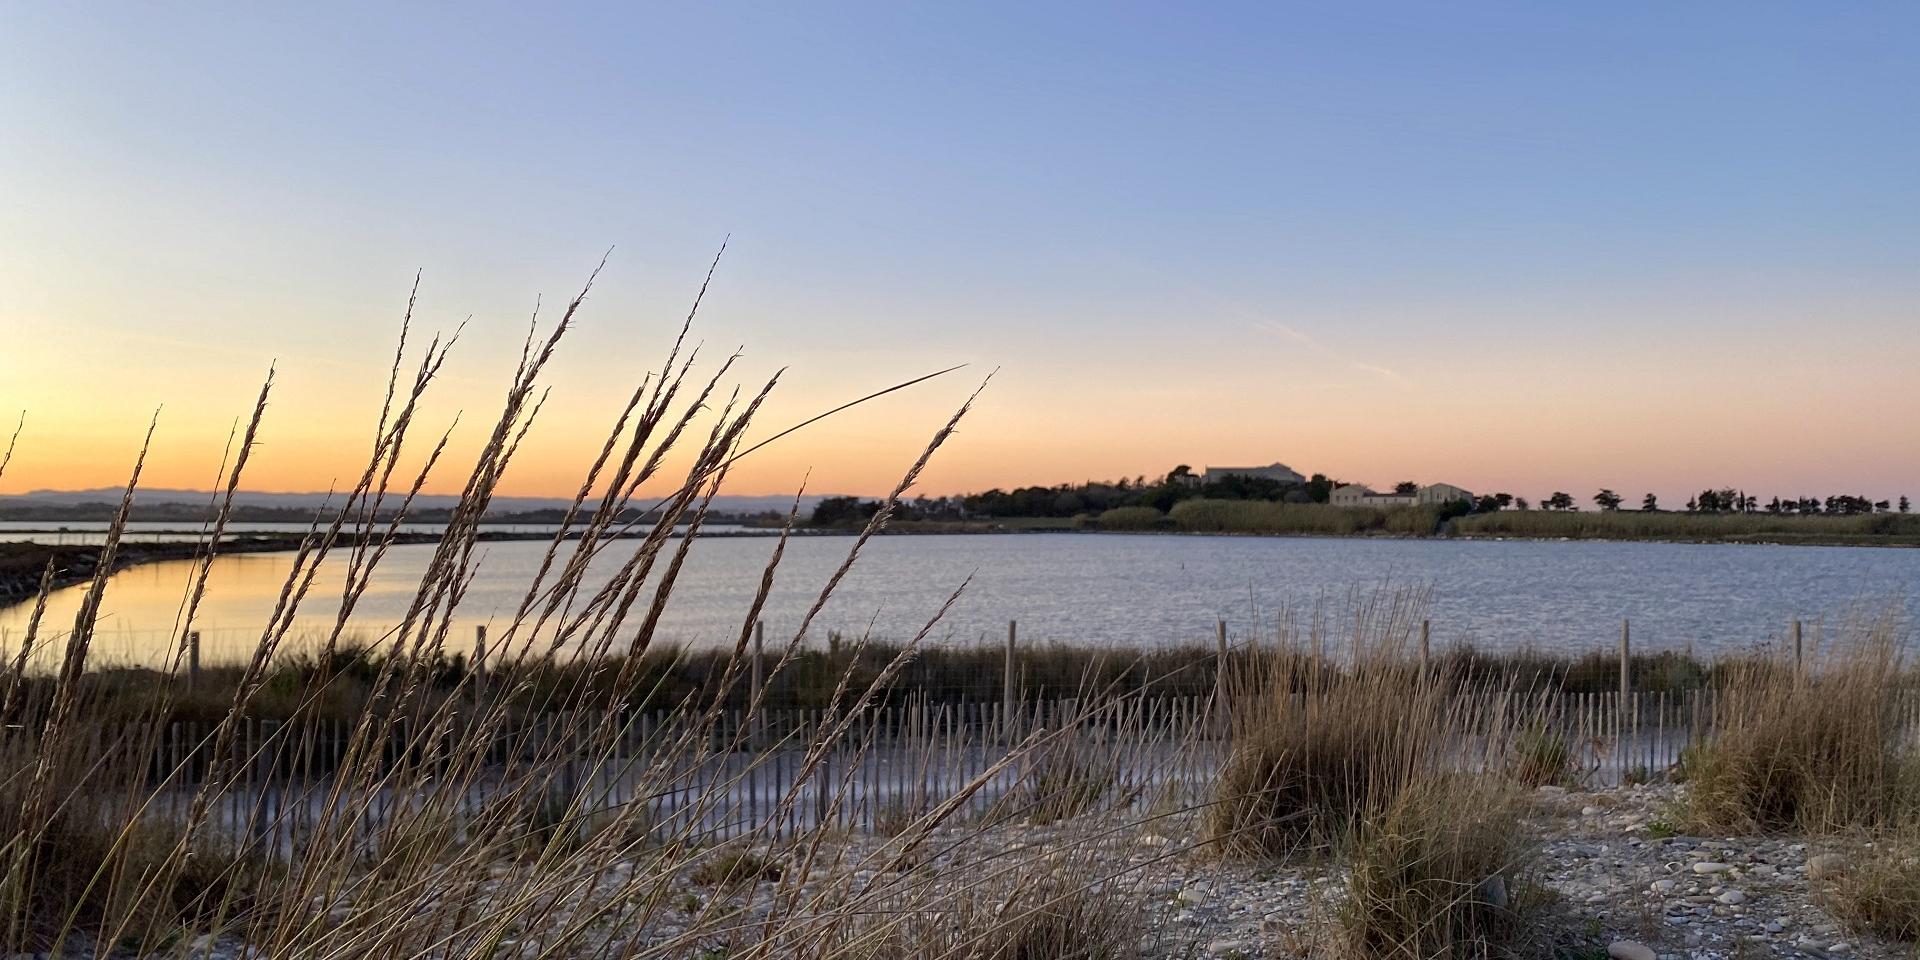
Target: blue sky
[[1620, 232]]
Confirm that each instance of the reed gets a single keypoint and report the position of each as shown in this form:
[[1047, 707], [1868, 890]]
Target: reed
[[1267, 517], [106, 850], [463, 813], [1705, 527]]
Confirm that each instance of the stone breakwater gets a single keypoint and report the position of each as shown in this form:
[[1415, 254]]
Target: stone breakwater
[[23, 564]]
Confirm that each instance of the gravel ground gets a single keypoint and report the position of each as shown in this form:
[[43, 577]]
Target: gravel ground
[[1621, 885]]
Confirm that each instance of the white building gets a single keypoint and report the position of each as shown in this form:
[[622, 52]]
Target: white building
[[1439, 493], [1358, 495], [1273, 471]]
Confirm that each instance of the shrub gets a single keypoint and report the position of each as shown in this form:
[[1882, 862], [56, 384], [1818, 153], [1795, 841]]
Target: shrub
[[1437, 874], [1305, 767]]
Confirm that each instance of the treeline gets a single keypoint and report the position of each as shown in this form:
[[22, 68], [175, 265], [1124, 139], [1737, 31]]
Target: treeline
[[1141, 503], [1727, 500], [1090, 499]]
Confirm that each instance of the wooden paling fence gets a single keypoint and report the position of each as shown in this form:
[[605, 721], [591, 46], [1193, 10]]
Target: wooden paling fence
[[740, 774]]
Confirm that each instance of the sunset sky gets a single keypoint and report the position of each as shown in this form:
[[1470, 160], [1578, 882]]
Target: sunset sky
[[1506, 246]]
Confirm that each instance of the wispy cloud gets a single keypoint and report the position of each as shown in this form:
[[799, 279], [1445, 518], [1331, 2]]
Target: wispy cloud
[[1279, 329], [1284, 331], [1383, 372]]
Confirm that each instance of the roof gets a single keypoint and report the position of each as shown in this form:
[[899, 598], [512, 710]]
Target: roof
[[1270, 466]]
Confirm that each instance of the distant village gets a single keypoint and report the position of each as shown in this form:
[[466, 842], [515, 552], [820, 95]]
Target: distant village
[[1277, 482], [1273, 482], [1344, 495]]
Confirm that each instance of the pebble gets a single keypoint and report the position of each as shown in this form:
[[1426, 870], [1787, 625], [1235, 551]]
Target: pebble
[[1711, 866], [1630, 950], [1732, 897]]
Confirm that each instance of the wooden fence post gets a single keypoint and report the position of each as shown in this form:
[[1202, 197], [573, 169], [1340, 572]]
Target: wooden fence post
[[193, 657], [479, 659], [759, 649], [1220, 673], [1799, 656], [1008, 692], [1626, 663], [756, 694]]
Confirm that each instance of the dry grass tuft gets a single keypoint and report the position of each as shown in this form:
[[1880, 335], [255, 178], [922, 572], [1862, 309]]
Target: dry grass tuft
[[1022, 917], [1816, 750], [735, 867], [1438, 873], [1306, 766], [1878, 890]]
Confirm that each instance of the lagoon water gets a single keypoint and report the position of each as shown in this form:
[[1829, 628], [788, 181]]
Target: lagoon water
[[1102, 589]]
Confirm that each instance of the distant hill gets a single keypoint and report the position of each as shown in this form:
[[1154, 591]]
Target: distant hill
[[261, 507]]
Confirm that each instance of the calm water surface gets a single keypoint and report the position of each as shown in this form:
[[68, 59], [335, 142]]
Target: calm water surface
[[71, 532], [1108, 589]]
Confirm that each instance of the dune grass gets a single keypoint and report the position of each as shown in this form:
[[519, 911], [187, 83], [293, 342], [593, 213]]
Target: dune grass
[[1414, 790], [1440, 872], [1816, 748]]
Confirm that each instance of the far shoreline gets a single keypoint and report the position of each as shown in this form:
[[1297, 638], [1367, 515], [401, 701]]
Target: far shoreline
[[23, 562]]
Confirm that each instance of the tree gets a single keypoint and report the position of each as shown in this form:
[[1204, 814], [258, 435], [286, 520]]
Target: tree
[[1520, 503], [1649, 503], [1505, 500], [1320, 488], [1561, 500], [838, 511], [1904, 505], [1607, 500], [1406, 488]]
